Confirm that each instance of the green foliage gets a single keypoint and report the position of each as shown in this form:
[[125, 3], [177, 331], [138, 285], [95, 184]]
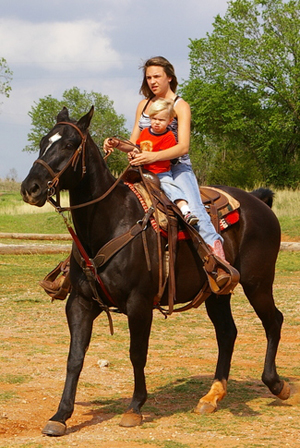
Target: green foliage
[[105, 123], [5, 77], [244, 92]]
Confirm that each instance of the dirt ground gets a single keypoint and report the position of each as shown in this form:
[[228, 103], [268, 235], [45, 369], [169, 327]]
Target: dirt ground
[[182, 356]]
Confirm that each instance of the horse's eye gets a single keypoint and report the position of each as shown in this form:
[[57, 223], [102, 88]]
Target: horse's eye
[[69, 146]]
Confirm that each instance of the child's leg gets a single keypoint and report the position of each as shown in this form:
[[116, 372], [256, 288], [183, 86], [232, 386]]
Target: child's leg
[[184, 177], [176, 195]]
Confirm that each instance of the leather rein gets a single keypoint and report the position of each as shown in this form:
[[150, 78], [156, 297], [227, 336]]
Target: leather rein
[[88, 265]]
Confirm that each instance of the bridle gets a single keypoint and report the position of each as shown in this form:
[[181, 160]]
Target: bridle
[[73, 161], [53, 185]]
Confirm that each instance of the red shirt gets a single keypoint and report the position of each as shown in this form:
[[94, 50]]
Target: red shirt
[[148, 141]]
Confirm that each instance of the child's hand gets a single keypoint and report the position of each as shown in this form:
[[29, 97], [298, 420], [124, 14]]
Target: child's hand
[[132, 154]]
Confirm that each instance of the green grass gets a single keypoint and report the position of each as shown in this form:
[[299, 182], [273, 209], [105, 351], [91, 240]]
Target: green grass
[[290, 226], [13, 211], [7, 186], [288, 261], [287, 203], [14, 379], [7, 396], [49, 222]]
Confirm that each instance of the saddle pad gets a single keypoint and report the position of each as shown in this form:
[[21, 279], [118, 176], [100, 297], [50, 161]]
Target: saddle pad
[[228, 215], [222, 200], [163, 222]]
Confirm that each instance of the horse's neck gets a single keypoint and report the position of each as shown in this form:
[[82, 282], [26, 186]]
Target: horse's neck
[[97, 179]]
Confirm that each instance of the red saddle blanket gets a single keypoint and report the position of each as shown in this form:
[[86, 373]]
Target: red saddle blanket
[[228, 210]]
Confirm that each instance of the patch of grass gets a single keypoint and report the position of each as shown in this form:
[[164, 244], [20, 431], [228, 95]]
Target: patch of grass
[[286, 207], [286, 203], [49, 222], [31, 445], [21, 273], [7, 395], [10, 200], [290, 226], [9, 186], [288, 261], [14, 379], [173, 444]]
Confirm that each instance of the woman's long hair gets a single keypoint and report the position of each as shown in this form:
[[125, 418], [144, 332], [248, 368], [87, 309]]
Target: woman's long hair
[[159, 61]]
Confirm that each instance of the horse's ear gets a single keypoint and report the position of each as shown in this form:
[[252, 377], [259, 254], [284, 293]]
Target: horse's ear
[[85, 121], [63, 115]]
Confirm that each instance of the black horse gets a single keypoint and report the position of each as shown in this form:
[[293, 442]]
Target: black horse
[[69, 157]]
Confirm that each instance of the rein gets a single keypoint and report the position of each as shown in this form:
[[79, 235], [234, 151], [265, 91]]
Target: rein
[[88, 265]]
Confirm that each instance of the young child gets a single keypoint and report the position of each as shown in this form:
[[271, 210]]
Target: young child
[[157, 138]]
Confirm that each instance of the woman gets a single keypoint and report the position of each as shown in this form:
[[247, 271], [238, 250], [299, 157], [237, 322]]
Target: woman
[[160, 81]]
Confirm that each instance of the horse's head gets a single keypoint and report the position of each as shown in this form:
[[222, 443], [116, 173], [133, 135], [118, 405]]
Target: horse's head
[[62, 152]]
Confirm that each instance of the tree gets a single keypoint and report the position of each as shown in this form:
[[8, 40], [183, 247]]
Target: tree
[[5, 78], [12, 175], [105, 121], [244, 91]]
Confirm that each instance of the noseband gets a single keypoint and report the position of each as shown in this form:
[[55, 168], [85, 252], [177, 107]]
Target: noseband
[[73, 161]]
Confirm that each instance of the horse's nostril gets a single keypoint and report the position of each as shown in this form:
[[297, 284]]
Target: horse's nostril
[[35, 188]]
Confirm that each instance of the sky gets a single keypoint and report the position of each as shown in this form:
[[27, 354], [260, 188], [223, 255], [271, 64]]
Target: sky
[[99, 45]]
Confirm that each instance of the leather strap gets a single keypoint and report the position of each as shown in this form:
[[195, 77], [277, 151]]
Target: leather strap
[[116, 244]]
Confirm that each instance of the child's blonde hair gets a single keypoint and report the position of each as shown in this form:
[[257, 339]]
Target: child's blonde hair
[[162, 104]]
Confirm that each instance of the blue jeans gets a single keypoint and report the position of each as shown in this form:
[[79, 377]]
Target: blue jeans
[[172, 190], [168, 185], [185, 178]]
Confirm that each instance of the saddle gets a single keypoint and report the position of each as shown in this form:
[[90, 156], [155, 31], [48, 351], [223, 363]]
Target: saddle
[[161, 213], [169, 218], [219, 205]]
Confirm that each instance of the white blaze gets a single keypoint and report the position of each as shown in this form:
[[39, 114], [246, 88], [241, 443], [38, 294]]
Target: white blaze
[[52, 140]]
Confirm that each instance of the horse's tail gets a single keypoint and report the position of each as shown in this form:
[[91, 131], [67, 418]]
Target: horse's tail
[[264, 194]]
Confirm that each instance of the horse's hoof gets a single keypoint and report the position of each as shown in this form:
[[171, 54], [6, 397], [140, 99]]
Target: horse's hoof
[[54, 429], [131, 419], [285, 391], [205, 408]]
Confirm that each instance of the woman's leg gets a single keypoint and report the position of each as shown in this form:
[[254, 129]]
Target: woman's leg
[[185, 178]]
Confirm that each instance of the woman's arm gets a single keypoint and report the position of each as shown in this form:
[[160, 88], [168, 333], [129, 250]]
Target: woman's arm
[[110, 143], [183, 112], [136, 130]]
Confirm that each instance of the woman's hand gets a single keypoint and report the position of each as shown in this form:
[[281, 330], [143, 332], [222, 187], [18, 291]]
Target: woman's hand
[[142, 158], [109, 144]]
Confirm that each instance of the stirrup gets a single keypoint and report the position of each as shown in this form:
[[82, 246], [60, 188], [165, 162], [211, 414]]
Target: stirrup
[[57, 283], [215, 276]]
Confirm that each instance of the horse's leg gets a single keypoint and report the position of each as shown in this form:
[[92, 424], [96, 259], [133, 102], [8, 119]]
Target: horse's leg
[[261, 298], [139, 320], [219, 312], [80, 315]]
